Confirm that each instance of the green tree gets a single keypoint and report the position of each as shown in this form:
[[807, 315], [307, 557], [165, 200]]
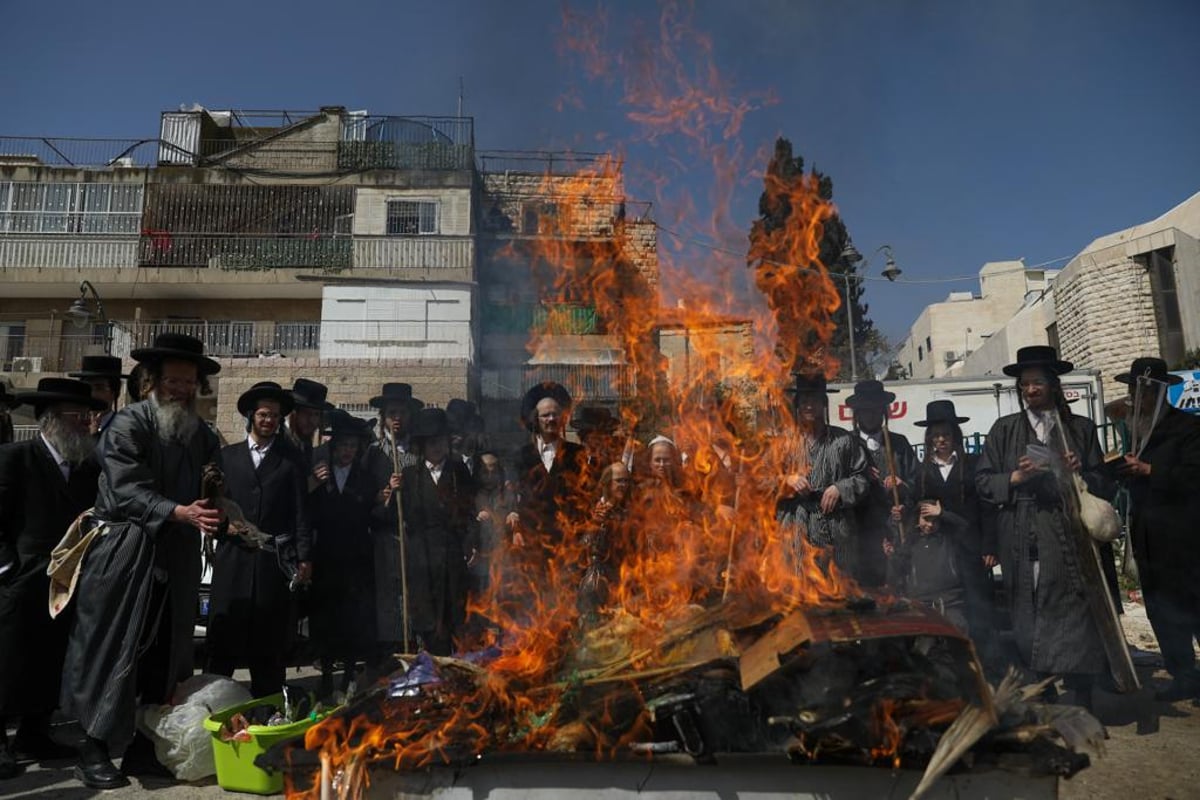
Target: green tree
[[787, 212]]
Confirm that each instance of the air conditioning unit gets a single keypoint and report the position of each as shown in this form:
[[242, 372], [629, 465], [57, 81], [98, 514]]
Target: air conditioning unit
[[27, 364]]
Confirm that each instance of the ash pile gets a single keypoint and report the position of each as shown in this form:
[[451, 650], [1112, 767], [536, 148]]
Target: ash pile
[[873, 681]]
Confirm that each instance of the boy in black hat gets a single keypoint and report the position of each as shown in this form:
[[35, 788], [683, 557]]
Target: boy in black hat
[[251, 612], [1162, 472], [441, 534], [103, 374], [45, 482], [825, 476], [892, 467], [304, 421]]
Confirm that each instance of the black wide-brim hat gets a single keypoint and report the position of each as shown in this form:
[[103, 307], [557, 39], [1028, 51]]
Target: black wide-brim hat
[[1154, 369], [939, 411], [99, 367], [459, 413], [341, 423], [177, 346], [587, 419], [429, 423], [310, 394], [1038, 356], [60, 390], [870, 394], [809, 383], [265, 390], [396, 393], [540, 392]]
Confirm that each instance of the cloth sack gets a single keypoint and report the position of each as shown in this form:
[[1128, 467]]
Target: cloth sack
[[67, 557], [1099, 517]]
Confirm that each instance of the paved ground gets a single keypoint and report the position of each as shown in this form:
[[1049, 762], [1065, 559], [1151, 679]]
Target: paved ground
[[1151, 755]]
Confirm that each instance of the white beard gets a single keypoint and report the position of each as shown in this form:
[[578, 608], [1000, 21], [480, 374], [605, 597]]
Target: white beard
[[177, 422], [74, 445]]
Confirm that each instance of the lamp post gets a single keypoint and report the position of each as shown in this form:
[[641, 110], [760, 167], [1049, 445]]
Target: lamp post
[[80, 313], [850, 256]]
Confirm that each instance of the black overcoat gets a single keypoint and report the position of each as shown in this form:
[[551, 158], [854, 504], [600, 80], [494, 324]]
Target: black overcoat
[[251, 605], [36, 507], [342, 601], [874, 515], [142, 480], [542, 496], [1053, 627], [439, 532]]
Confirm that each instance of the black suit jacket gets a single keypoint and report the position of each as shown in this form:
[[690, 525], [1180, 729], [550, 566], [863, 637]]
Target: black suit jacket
[[273, 496], [542, 495], [36, 507]]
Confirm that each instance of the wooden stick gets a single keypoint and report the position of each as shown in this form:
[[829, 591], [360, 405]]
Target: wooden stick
[[403, 555], [891, 465], [737, 496]]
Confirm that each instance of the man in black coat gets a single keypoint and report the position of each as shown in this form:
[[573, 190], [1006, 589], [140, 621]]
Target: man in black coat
[[1163, 476], [893, 467], [45, 482], [251, 612], [103, 374], [135, 600], [549, 469]]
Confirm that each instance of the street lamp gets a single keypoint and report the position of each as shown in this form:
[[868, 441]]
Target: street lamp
[[80, 313], [851, 256]]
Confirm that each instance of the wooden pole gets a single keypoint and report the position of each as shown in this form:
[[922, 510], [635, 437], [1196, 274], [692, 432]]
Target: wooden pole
[[403, 555], [891, 465]]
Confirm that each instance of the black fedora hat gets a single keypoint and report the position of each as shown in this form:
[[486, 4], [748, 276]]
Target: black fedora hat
[[265, 390], [177, 346], [538, 393], [310, 394], [809, 383], [99, 367], [1038, 355], [429, 423], [938, 411], [396, 393], [588, 419], [339, 422], [870, 394], [60, 390], [1154, 369], [459, 413]]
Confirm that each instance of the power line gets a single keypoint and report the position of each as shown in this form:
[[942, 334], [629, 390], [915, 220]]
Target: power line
[[958, 279]]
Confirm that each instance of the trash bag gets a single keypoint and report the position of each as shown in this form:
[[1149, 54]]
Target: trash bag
[[181, 743]]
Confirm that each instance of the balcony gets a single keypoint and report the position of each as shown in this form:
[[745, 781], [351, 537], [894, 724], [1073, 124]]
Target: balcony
[[234, 338], [586, 382], [72, 251], [414, 252], [563, 319], [163, 249], [36, 353]]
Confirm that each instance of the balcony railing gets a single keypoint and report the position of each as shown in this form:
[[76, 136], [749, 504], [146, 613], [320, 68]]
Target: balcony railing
[[229, 338], [47, 352], [560, 319], [586, 382], [69, 152], [76, 251], [163, 249], [416, 252]]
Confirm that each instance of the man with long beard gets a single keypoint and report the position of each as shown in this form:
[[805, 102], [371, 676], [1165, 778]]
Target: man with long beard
[[137, 589], [45, 483]]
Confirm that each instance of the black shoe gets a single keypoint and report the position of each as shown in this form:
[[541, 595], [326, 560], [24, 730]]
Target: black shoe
[[40, 747], [1177, 690], [8, 764], [100, 775]]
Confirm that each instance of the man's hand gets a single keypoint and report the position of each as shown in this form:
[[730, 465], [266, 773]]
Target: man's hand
[[1134, 467], [304, 572], [990, 560], [321, 472], [897, 513], [931, 508], [200, 515], [483, 516], [1072, 461], [892, 482], [829, 499], [1026, 469], [512, 520], [798, 484]]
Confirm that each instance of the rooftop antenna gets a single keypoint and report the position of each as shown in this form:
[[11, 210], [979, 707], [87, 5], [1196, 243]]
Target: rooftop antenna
[[460, 95]]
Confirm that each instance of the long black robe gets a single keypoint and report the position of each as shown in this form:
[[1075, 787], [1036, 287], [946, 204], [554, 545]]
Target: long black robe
[[1052, 627], [874, 515], [251, 612], [388, 589], [36, 506], [142, 481], [1165, 536]]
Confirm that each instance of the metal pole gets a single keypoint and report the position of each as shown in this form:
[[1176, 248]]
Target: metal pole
[[850, 327]]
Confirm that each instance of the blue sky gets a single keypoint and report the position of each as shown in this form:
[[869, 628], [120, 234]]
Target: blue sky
[[958, 132]]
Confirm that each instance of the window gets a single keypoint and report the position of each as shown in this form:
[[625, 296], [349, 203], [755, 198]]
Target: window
[[920, 353], [27, 207], [928, 344], [412, 217], [910, 370], [1161, 266]]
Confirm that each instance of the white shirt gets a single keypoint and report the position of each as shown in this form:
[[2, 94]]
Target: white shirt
[[64, 466], [435, 470], [340, 474], [547, 450], [1042, 423], [258, 451], [946, 466]]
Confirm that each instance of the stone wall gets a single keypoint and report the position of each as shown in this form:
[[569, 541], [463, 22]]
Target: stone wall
[[1104, 311]]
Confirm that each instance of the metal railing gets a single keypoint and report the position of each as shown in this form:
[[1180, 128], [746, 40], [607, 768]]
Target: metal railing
[[586, 382], [35, 353], [564, 319], [236, 337], [68, 252], [545, 162], [416, 252], [72, 152], [162, 249]]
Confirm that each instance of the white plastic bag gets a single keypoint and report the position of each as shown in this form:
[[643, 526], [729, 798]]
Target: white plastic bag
[[181, 743]]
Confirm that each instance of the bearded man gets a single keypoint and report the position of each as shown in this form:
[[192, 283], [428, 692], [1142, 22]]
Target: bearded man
[[45, 483], [103, 374], [138, 584]]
